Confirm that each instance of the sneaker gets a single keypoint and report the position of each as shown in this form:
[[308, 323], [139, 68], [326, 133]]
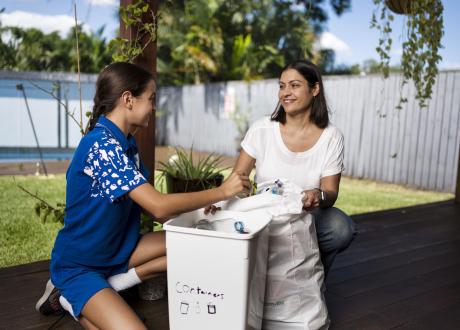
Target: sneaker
[[49, 303]]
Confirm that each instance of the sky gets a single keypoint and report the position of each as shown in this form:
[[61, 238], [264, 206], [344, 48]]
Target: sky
[[349, 35]]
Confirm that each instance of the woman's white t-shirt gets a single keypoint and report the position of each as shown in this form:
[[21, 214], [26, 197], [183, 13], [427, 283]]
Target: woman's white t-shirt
[[274, 160]]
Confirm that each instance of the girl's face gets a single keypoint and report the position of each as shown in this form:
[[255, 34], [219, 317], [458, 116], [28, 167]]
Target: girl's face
[[143, 106], [294, 93]]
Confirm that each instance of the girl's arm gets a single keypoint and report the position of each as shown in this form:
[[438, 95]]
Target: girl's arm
[[164, 205], [244, 164], [328, 184]]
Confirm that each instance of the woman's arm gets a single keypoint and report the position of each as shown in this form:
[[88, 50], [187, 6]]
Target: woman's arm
[[164, 205], [244, 164], [328, 184]]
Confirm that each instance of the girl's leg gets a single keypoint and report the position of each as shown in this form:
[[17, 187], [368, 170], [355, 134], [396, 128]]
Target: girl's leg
[[85, 323], [149, 257], [107, 310], [148, 260]]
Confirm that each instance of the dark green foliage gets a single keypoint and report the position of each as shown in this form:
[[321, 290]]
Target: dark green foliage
[[33, 50], [205, 41], [198, 41]]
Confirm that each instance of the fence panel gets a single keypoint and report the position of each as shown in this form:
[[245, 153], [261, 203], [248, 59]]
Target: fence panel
[[413, 146]]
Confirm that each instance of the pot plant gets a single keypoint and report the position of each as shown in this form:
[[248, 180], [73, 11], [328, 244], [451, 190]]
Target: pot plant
[[183, 174], [420, 48]]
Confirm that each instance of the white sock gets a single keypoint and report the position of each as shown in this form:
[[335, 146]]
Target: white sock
[[67, 306], [124, 280]]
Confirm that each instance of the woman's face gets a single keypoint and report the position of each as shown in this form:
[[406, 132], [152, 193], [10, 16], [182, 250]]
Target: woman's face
[[144, 105], [294, 93]]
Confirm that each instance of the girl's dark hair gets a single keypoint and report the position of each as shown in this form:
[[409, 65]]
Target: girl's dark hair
[[113, 81], [319, 110]]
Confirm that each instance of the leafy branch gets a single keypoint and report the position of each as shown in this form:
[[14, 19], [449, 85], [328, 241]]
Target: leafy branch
[[133, 16], [383, 25], [43, 209], [66, 109]]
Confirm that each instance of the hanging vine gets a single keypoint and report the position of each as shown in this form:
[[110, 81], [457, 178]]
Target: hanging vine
[[420, 49]]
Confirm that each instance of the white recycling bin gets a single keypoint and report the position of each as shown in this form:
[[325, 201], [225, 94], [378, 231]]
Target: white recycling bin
[[216, 278]]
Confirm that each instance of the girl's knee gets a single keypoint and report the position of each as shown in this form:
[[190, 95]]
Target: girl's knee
[[154, 239]]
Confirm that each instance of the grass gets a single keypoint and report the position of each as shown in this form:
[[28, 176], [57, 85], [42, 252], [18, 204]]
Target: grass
[[363, 196], [24, 239]]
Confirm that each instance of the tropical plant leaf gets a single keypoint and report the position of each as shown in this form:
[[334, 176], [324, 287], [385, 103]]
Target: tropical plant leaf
[[182, 166]]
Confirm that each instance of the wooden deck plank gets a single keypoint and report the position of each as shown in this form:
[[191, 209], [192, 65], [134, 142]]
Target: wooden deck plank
[[446, 319], [372, 321], [348, 309], [401, 272], [391, 276], [408, 243], [410, 236], [385, 263], [424, 304]]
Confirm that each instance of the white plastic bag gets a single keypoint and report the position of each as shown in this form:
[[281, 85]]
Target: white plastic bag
[[295, 275]]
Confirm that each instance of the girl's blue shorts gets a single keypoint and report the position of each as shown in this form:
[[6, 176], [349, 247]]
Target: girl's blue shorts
[[78, 283]]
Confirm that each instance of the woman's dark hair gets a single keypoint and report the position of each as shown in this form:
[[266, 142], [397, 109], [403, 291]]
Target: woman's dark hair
[[319, 110], [113, 81]]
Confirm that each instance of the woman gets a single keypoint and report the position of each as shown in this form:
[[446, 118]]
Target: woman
[[299, 144]]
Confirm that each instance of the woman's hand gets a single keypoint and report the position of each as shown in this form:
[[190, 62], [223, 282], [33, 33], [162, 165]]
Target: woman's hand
[[236, 183], [311, 199]]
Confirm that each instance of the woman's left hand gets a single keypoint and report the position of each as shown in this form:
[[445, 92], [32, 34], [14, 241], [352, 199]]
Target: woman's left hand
[[311, 199]]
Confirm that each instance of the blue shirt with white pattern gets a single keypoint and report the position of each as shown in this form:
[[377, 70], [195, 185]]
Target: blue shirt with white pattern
[[101, 225]]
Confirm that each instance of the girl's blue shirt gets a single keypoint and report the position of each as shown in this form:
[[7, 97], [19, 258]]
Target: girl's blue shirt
[[101, 225]]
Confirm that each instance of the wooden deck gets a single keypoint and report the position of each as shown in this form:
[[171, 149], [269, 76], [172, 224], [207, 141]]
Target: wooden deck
[[401, 272]]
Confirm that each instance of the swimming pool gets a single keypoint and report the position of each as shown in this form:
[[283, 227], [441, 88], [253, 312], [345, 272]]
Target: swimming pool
[[22, 154]]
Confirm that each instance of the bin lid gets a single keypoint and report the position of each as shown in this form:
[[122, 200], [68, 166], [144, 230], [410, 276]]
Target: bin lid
[[254, 222]]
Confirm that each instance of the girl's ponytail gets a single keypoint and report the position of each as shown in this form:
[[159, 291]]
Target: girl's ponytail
[[98, 110], [93, 119]]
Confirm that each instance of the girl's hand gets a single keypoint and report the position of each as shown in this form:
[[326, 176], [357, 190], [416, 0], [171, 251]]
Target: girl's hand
[[236, 183], [311, 199], [211, 208]]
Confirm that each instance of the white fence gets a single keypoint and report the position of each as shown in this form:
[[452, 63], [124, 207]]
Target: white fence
[[417, 147]]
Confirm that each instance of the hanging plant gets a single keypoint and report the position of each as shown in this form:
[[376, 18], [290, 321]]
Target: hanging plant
[[420, 49]]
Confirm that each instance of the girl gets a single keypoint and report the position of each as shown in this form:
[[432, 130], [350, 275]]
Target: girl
[[99, 251], [298, 143]]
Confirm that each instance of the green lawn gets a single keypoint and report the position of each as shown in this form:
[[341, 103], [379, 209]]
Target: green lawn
[[362, 196], [24, 239]]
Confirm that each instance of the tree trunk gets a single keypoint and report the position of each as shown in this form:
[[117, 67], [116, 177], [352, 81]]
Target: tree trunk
[[145, 137]]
